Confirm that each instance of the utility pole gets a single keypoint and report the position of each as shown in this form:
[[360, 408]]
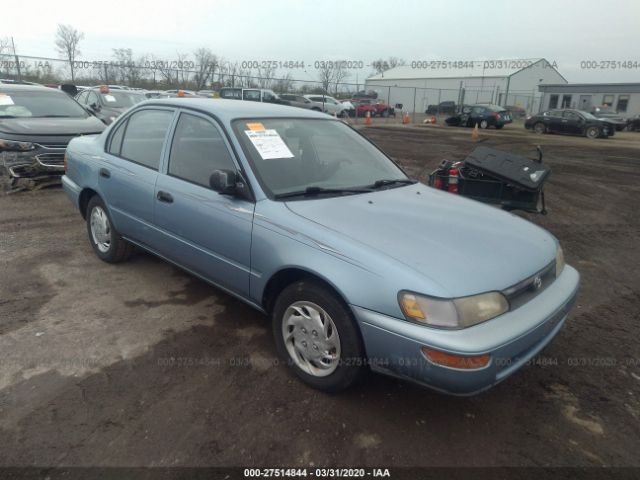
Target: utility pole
[[17, 61]]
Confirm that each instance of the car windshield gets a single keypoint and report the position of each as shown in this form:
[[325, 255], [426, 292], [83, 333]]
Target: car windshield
[[293, 154], [122, 98], [39, 103], [588, 116]]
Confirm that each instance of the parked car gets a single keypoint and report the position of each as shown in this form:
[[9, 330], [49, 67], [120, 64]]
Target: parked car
[[516, 112], [484, 116], [633, 124], [610, 116], [206, 93], [36, 123], [377, 108], [362, 107], [570, 122], [328, 105], [303, 218], [349, 107], [447, 107], [250, 94], [108, 104], [370, 94], [299, 101]]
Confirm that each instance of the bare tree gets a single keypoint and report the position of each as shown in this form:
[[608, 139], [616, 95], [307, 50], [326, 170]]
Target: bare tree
[[67, 41], [207, 64], [382, 65], [340, 74], [265, 76], [283, 84], [4, 50], [326, 75], [127, 69]]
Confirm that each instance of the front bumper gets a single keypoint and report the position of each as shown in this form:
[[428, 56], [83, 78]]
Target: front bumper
[[42, 162], [393, 346]]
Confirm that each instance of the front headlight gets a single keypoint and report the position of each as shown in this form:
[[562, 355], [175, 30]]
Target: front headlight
[[13, 146], [559, 261], [455, 313]]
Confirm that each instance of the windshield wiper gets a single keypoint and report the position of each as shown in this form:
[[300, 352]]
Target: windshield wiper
[[386, 182], [310, 191]]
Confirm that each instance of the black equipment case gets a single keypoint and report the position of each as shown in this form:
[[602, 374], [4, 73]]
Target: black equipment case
[[497, 177]]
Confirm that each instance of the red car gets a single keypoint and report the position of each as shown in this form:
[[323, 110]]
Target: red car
[[376, 108]]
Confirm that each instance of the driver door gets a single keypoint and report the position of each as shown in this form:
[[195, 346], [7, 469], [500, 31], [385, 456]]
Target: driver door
[[203, 230]]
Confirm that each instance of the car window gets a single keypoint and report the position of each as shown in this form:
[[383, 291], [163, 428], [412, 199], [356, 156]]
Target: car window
[[92, 98], [571, 116], [144, 136], [311, 153], [42, 102], [198, 149], [82, 98], [231, 93], [252, 95], [115, 143]]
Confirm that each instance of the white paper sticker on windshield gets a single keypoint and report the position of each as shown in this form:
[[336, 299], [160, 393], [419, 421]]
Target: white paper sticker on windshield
[[5, 99], [110, 98], [269, 144]]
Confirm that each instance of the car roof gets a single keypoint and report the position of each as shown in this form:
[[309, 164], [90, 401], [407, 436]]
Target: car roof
[[228, 110]]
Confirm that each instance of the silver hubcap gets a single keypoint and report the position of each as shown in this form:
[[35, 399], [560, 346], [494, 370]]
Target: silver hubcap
[[311, 338], [100, 229], [539, 128]]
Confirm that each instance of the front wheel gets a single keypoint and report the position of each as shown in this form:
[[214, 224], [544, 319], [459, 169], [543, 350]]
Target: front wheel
[[539, 128], [484, 124], [592, 132], [107, 243], [498, 127], [316, 334]]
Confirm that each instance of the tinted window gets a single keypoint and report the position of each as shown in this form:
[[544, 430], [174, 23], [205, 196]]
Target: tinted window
[[197, 150], [116, 139], [231, 93], [39, 103], [144, 136], [253, 95], [571, 116]]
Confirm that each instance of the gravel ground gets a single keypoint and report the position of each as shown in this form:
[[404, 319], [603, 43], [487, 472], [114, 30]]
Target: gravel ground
[[140, 364]]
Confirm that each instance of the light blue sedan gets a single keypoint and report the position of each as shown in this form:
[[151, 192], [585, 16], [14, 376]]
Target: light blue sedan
[[297, 214]]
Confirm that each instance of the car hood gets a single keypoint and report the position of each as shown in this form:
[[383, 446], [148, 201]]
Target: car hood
[[51, 126], [462, 245]]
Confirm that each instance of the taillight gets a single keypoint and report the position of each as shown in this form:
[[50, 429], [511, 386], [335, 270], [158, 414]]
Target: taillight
[[496, 115], [65, 162]]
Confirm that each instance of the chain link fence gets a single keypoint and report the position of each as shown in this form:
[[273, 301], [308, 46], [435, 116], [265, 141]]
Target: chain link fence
[[417, 103]]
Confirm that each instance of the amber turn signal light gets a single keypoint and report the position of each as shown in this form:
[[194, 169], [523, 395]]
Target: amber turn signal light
[[463, 362]]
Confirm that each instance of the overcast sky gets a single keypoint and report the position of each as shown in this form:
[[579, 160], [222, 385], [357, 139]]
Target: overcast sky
[[567, 31]]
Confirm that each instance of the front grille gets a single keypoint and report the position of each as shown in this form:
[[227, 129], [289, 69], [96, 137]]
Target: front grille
[[53, 145], [51, 159], [524, 291]]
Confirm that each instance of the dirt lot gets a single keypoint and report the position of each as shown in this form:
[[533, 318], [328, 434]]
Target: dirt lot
[[141, 364]]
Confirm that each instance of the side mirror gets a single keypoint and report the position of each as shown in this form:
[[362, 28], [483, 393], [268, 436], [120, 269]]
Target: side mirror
[[224, 182], [94, 106]]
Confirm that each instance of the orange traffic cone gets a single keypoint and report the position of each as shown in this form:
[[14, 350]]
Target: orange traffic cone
[[405, 118], [474, 134], [367, 119]]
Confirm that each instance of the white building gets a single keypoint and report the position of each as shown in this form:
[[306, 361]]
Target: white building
[[622, 97], [502, 82]]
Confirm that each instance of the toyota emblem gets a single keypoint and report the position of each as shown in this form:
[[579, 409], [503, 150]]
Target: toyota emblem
[[537, 283]]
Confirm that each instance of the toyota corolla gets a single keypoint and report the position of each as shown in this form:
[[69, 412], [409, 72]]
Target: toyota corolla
[[357, 265]]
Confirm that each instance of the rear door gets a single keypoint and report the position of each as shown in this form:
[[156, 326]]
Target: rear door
[[128, 175], [206, 232], [572, 123], [553, 121]]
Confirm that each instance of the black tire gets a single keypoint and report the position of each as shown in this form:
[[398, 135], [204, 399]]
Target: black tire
[[540, 128], [498, 127], [484, 124], [592, 132], [351, 363], [118, 249], [385, 113]]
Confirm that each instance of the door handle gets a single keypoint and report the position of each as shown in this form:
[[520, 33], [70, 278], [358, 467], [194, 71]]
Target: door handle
[[105, 173], [164, 197]]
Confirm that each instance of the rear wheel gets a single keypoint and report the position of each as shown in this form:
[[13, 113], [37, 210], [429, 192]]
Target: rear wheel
[[107, 243], [592, 132], [539, 128], [316, 335]]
